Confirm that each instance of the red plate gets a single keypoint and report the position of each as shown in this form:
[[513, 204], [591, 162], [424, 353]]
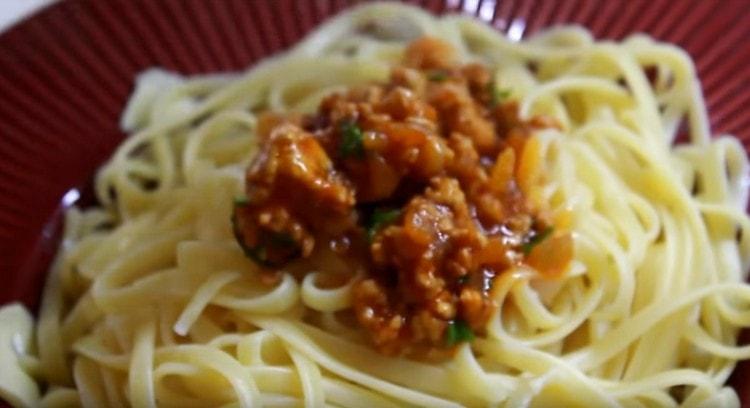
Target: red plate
[[66, 73]]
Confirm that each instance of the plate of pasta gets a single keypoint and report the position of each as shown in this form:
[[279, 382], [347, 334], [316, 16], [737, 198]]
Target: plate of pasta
[[443, 204]]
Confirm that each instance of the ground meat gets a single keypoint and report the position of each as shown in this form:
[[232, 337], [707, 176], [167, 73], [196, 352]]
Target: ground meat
[[378, 316], [268, 121], [292, 189], [409, 78], [292, 164], [432, 226], [270, 234], [460, 113], [479, 80], [424, 180], [429, 250], [429, 53], [399, 134]]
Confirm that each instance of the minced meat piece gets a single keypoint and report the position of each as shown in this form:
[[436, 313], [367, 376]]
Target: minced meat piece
[[397, 139], [429, 53], [459, 112], [292, 188], [430, 250]]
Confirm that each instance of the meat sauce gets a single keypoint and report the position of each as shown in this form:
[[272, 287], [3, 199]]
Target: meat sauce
[[428, 180]]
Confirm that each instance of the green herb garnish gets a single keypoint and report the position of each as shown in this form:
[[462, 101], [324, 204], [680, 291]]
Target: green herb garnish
[[257, 254], [497, 95], [458, 331], [281, 239], [437, 75], [283, 245], [241, 201], [535, 240], [463, 279], [275, 241], [351, 140], [381, 218]]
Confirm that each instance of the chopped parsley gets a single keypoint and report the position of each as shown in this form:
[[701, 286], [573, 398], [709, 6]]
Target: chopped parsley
[[282, 244], [498, 95], [381, 218], [257, 254], [241, 201], [463, 279], [437, 75], [535, 240], [281, 239], [351, 140], [458, 331], [279, 242]]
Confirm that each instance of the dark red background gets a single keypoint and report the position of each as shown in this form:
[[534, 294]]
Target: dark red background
[[66, 73]]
